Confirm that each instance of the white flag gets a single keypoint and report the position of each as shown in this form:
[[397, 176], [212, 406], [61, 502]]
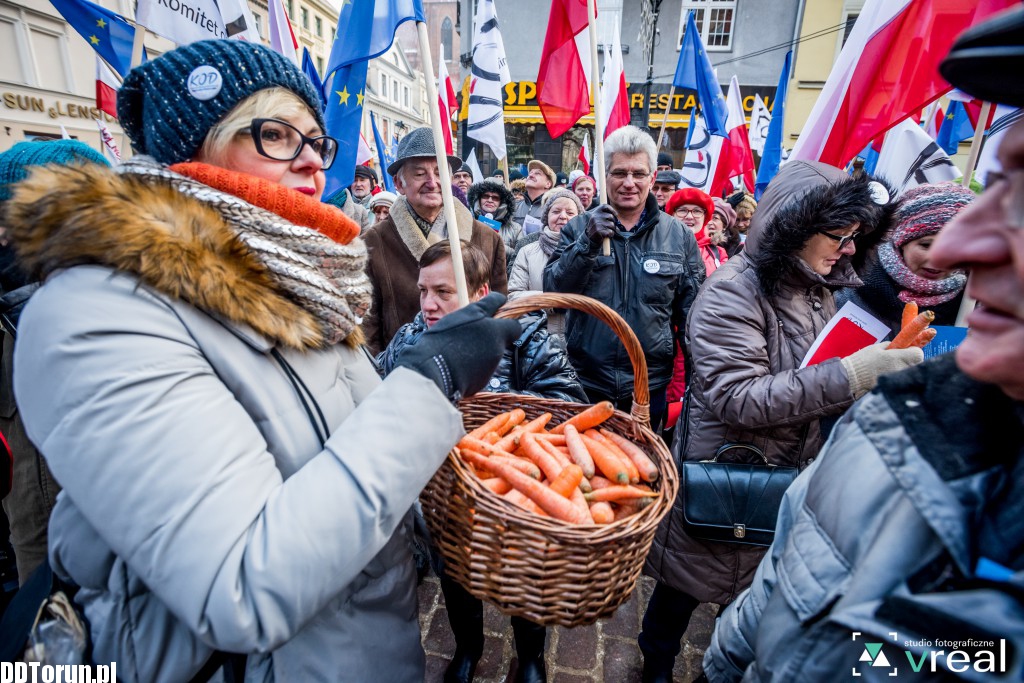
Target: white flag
[[238, 20], [759, 120], [64, 135], [490, 74], [182, 21], [702, 153], [282, 39], [1002, 120], [109, 144], [909, 158], [474, 166]]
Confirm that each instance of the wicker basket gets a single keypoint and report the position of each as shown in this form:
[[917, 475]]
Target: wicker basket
[[548, 571]]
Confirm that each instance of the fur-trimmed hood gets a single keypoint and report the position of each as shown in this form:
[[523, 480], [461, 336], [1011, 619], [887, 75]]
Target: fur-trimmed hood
[[804, 198], [499, 189], [64, 216]]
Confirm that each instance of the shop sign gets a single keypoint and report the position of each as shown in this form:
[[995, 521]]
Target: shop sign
[[54, 108]]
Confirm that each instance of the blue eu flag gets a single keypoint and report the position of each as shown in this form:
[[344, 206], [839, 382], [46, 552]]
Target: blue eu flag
[[382, 156], [956, 127], [772, 157], [106, 32], [366, 29], [343, 117], [310, 70], [694, 72]]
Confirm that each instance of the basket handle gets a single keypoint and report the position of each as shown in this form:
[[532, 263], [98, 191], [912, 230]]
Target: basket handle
[[641, 410]]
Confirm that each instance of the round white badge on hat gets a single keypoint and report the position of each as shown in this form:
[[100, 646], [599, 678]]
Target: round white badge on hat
[[879, 194], [652, 266], [494, 383], [205, 82]]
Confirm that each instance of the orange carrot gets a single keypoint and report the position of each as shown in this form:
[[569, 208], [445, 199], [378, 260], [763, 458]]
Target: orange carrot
[[615, 493], [491, 438], [510, 441], [518, 498], [562, 458], [516, 419], [497, 485], [580, 502], [554, 439], [909, 313], [492, 425], [555, 505], [602, 513], [599, 482], [591, 417], [524, 466], [648, 470], [925, 338], [536, 454], [482, 447], [909, 333], [578, 451], [568, 481], [607, 462], [631, 470]]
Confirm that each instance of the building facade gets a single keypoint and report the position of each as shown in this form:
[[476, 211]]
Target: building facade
[[747, 38], [396, 96]]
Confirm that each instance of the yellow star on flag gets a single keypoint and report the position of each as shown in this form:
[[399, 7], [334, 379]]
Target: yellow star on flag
[[949, 116], [101, 23], [94, 40], [359, 98], [343, 95]]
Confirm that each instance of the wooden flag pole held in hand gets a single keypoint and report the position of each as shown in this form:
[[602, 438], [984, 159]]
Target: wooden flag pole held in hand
[[442, 166], [664, 119], [967, 303], [595, 96]]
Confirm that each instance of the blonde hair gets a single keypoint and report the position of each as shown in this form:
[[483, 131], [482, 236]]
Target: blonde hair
[[270, 103]]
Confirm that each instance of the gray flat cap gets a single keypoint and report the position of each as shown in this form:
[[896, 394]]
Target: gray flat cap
[[418, 144]]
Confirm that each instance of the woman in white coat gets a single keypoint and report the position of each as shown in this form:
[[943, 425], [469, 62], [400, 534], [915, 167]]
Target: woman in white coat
[[236, 477]]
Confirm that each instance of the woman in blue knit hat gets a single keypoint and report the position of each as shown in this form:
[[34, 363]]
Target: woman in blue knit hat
[[237, 478]]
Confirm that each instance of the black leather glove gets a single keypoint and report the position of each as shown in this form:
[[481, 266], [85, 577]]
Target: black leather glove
[[462, 351], [601, 223]]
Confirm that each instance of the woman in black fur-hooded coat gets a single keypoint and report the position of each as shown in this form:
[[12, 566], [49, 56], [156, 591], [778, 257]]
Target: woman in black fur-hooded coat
[[509, 230]]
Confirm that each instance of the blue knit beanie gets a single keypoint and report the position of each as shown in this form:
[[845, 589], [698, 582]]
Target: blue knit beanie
[[16, 162], [168, 105]]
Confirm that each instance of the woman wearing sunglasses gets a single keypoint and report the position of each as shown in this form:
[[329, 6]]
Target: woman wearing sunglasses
[[748, 331], [237, 478]]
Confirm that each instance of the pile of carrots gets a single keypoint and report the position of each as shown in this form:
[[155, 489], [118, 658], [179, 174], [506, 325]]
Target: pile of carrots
[[576, 472], [914, 328]]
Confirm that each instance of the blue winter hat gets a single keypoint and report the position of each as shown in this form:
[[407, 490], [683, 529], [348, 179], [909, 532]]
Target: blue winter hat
[[168, 105], [16, 162]]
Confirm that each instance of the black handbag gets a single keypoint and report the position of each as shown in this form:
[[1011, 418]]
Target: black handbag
[[734, 502]]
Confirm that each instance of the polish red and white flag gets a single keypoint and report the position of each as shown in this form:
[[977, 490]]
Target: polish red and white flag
[[107, 85], [446, 104], [887, 71], [735, 157], [563, 90], [614, 95]]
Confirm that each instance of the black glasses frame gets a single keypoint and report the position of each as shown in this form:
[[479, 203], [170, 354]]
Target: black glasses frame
[[328, 146], [843, 241]]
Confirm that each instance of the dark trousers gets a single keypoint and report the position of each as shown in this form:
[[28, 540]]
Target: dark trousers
[[665, 621], [466, 616], [659, 406]]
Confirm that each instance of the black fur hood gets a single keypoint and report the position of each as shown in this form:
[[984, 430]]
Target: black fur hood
[[806, 197], [477, 189]]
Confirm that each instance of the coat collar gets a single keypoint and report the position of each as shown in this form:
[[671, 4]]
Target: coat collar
[[411, 235]]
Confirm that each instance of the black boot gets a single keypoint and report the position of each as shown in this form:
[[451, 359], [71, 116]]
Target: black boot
[[466, 616], [664, 624], [656, 671], [529, 650]]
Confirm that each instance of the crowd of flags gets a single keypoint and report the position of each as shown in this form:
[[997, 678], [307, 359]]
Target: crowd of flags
[[870, 108]]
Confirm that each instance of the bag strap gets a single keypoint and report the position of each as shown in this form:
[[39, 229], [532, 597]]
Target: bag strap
[[303, 392], [725, 448]]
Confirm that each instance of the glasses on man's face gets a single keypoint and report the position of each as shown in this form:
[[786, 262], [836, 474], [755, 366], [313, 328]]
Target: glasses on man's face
[[282, 141], [1013, 199], [843, 241], [637, 176], [697, 212]]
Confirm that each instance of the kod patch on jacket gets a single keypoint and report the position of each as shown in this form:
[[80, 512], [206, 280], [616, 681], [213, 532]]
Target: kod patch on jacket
[[205, 82], [652, 266]]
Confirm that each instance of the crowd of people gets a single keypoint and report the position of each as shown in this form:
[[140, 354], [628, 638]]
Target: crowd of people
[[230, 390]]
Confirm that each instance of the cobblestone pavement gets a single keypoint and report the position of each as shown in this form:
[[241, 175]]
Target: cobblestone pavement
[[602, 652]]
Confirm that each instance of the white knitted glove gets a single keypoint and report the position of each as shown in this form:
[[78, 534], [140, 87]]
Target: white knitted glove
[[864, 366]]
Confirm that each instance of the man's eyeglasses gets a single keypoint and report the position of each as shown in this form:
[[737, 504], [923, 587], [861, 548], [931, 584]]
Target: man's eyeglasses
[[282, 141], [1013, 201], [843, 241], [636, 175]]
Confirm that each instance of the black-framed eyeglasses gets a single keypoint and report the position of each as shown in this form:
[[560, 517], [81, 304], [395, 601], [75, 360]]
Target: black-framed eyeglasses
[[843, 241], [281, 141]]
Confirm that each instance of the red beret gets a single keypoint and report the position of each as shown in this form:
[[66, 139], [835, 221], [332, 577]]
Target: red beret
[[690, 195]]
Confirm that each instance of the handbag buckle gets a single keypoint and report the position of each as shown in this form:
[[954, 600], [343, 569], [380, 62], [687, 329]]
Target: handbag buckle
[[739, 530]]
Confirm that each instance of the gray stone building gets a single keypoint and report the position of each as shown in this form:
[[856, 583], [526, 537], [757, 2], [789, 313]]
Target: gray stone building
[[747, 38]]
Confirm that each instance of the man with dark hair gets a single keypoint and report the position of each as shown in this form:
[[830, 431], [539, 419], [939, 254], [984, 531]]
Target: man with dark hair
[[904, 538], [463, 178], [664, 161]]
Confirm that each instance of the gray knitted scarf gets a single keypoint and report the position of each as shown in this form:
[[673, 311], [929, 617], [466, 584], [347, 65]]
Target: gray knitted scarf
[[324, 277]]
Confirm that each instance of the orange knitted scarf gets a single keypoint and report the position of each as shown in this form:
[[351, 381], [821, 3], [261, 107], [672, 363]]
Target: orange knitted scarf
[[285, 202]]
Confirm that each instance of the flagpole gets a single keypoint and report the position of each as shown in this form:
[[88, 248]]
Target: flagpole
[[442, 166], [967, 304], [503, 165], [595, 95], [664, 120], [137, 47]]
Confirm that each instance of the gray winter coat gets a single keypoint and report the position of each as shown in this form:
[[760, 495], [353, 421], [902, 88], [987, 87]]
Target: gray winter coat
[[200, 510], [879, 541], [528, 207], [745, 347], [527, 277]]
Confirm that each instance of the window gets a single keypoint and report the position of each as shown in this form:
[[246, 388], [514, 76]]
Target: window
[[446, 40], [319, 27], [394, 91], [10, 56], [383, 86], [609, 18], [259, 24], [305, 18], [851, 19], [291, 9], [715, 20], [405, 92], [334, 32], [320, 65]]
